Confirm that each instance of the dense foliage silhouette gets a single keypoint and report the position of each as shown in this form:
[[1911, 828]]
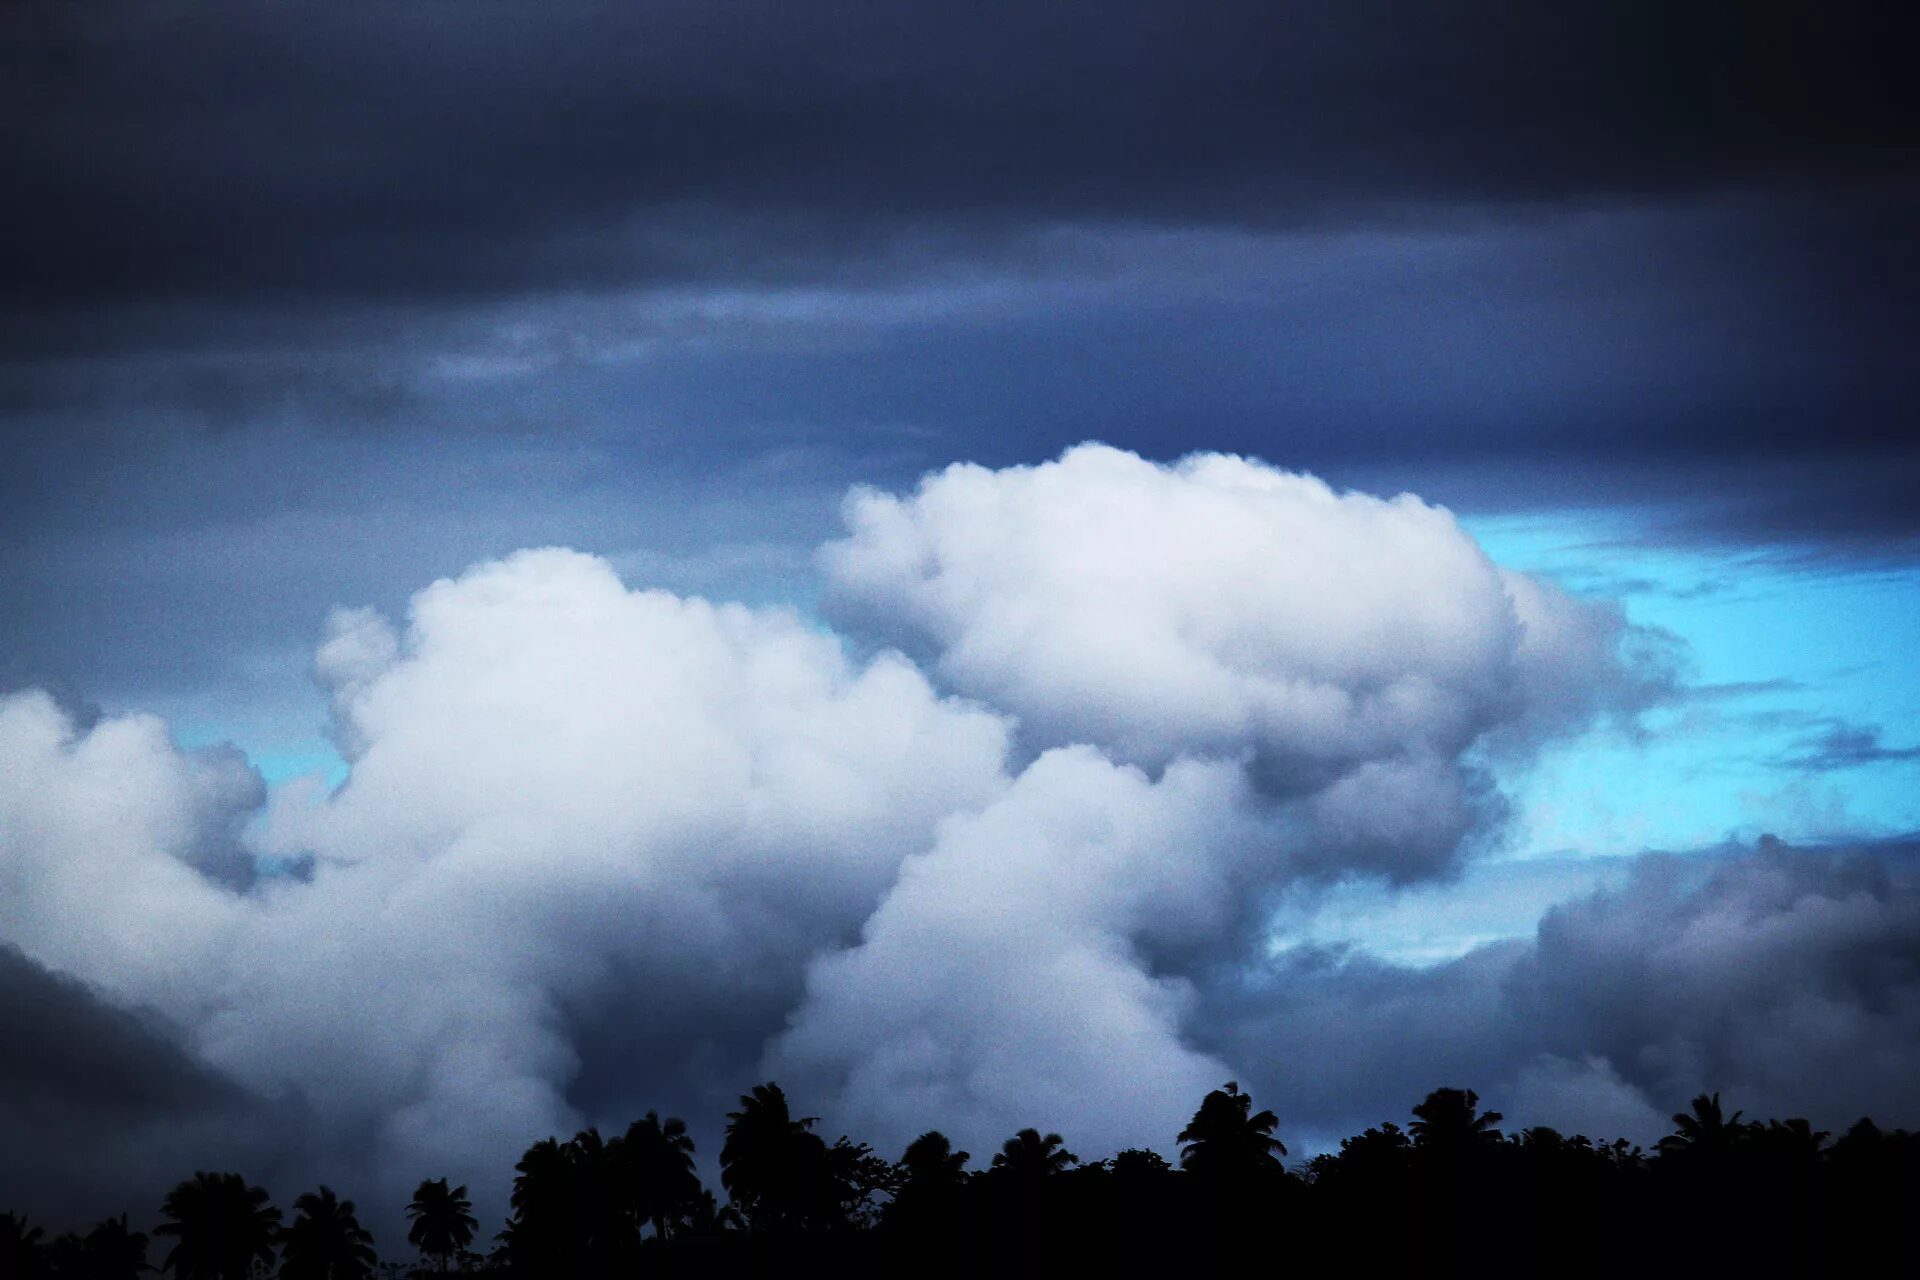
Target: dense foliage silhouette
[[1028, 1158], [221, 1225], [1448, 1194], [774, 1166], [19, 1246], [1226, 1142], [110, 1251], [325, 1241], [443, 1221], [655, 1171]]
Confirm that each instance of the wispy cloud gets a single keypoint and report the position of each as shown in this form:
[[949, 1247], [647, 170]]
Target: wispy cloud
[[1841, 745]]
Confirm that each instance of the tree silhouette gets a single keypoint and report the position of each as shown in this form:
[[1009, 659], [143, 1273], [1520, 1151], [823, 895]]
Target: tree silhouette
[[931, 1161], [111, 1251], [325, 1240], [1784, 1163], [1369, 1178], [1231, 1162], [568, 1214], [1025, 1198], [1705, 1129], [1705, 1132], [443, 1222], [932, 1180], [1226, 1142], [1449, 1121], [1447, 1195], [221, 1227], [1370, 1155], [540, 1233], [1028, 1157], [63, 1259], [602, 1221], [20, 1249], [774, 1167], [708, 1217], [1457, 1149], [859, 1180], [1139, 1164], [1797, 1138], [1792, 1149], [654, 1165]]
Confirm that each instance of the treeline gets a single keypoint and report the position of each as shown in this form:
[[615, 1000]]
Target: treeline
[[1448, 1193]]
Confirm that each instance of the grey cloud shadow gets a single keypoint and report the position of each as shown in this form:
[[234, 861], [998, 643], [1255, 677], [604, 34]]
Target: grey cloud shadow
[[102, 1108]]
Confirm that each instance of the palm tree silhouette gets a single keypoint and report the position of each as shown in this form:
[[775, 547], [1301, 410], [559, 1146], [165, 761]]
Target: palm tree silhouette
[[221, 1227], [113, 1252], [931, 1181], [543, 1171], [1022, 1190], [773, 1166], [1795, 1142], [654, 1165], [541, 1231], [602, 1225], [108, 1252], [1705, 1131], [567, 1212], [1225, 1141], [708, 1217], [1449, 1121], [931, 1161], [443, 1221], [20, 1250], [326, 1240], [1455, 1148], [1028, 1157]]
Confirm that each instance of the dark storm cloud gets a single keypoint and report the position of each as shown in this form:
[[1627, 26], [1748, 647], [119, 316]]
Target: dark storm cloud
[[309, 303], [187, 149], [1788, 978], [101, 1109], [70, 1051]]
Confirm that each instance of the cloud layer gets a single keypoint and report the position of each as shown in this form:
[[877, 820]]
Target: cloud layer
[[657, 140], [1790, 980], [604, 849]]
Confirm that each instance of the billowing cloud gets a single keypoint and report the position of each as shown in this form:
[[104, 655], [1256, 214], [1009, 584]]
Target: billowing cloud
[[563, 794], [1216, 607], [1007, 981], [1320, 677], [1585, 1096], [603, 849], [109, 835], [561, 791], [1360, 653], [1788, 979]]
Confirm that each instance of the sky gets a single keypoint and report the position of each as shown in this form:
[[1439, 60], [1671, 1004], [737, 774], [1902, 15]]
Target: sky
[[997, 564]]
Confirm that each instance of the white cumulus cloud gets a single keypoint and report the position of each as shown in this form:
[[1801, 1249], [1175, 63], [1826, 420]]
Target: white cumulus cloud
[[1006, 981], [1349, 648], [602, 849]]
